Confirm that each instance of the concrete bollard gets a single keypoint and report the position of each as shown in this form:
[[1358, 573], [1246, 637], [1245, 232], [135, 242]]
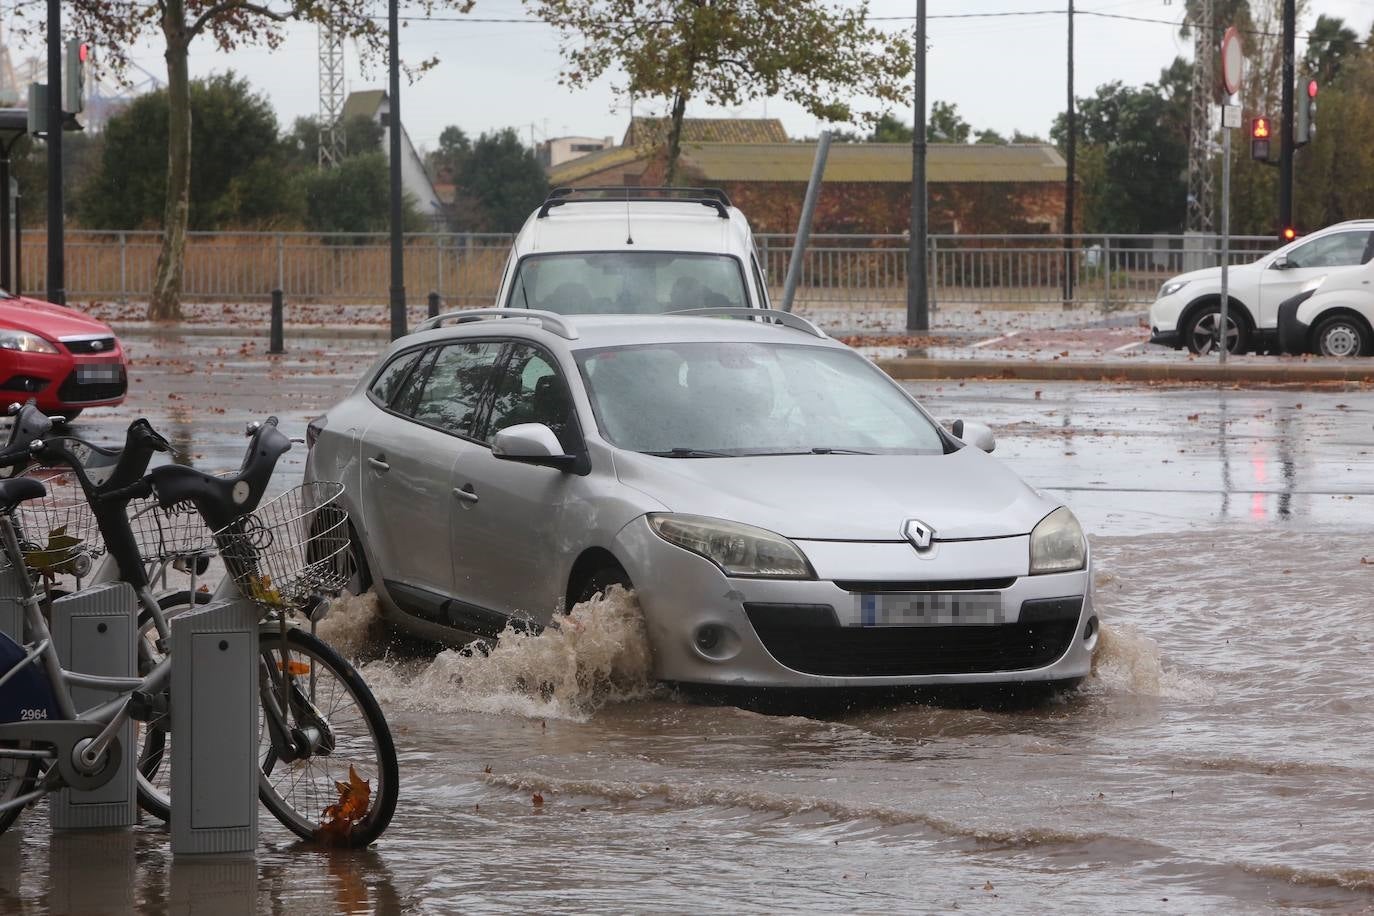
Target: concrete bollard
[[433, 304], [96, 632], [278, 343], [215, 727]]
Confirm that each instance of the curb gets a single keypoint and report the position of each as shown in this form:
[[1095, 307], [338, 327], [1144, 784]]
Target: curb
[[907, 369]]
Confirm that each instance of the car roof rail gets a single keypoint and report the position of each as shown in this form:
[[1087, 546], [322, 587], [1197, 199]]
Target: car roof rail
[[714, 198], [549, 321], [786, 319]]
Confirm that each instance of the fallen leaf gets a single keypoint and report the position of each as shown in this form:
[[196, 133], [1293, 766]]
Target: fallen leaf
[[339, 819], [537, 799]]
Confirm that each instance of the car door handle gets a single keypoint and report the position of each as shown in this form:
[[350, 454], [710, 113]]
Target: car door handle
[[466, 494], [379, 462]]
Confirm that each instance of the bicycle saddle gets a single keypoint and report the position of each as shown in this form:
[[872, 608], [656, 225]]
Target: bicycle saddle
[[14, 490]]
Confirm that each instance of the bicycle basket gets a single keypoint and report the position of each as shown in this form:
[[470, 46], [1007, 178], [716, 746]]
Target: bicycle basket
[[58, 532], [291, 549], [168, 534]]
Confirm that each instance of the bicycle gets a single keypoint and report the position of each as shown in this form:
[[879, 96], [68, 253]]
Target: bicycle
[[296, 734]]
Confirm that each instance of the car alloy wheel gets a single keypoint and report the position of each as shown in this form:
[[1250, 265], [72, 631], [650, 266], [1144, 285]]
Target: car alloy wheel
[[1202, 338], [1340, 337]]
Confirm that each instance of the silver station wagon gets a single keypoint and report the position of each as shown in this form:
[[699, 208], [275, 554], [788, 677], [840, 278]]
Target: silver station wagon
[[786, 514]]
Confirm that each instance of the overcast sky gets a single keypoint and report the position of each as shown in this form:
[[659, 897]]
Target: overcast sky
[[1005, 73]]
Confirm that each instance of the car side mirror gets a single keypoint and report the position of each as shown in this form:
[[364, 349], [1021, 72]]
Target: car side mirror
[[531, 443], [1282, 264], [975, 434]]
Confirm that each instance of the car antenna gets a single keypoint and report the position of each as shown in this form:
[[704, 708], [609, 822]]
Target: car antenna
[[629, 233]]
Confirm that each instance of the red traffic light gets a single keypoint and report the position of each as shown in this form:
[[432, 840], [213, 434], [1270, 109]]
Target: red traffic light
[[1289, 233], [85, 54], [1259, 128], [1311, 89]]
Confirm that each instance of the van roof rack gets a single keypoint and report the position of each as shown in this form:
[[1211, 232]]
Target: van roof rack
[[786, 319], [549, 321], [714, 198]]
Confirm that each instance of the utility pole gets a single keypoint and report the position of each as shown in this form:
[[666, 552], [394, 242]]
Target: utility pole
[[917, 285], [1071, 150], [57, 292], [398, 280], [1286, 130], [1201, 186]]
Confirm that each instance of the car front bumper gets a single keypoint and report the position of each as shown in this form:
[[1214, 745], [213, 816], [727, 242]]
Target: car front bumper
[[57, 381], [707, 628]]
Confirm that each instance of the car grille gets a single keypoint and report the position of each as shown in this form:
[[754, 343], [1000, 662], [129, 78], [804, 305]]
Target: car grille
[[91, 345], [75, 391], [929, 585], [810, 641]]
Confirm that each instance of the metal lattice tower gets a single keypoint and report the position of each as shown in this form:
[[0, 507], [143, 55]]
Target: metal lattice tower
[[1201, 184], [331, 97]]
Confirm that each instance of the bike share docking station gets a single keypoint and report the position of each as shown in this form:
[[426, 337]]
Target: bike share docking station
[[214, 704]]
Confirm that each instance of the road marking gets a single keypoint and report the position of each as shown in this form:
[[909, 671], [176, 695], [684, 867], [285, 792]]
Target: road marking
[[1130, 346], [984, 343]]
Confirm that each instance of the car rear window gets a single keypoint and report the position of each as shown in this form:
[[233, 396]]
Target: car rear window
[[628, 282]]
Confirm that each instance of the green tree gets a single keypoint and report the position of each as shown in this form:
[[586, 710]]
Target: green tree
[[233, 140], [116, 26], [890, 130], [446, 162], [361, 135], [353, 197], [1329, 45], [1138, 180], [498, 182], [727, 52], [989, 136], [945, 125]]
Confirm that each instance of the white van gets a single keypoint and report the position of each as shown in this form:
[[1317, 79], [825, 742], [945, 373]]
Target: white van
[[633, 250]]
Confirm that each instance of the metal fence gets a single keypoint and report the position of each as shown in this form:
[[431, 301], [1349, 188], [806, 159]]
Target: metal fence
[[1104, 272]]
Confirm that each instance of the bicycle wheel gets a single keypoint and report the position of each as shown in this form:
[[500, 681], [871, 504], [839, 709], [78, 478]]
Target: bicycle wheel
[[153, 779], [16, 778], [323, 697]]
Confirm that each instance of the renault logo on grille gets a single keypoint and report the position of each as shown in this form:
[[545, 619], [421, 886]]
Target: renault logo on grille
[[919, 534], [97, 345]]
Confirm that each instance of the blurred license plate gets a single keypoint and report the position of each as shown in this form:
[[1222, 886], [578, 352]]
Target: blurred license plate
[[100, 372], [929, 609]]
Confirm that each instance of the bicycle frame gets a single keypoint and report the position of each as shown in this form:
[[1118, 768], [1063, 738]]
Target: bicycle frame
[[81, 739]]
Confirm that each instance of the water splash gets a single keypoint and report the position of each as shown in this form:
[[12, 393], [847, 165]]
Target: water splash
[[353, 625], [1128, 661], [598, 653]]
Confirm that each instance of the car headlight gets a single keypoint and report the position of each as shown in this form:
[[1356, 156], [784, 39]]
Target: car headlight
[[1057, 544], [24, 342], [739, 550], [1173, 286]]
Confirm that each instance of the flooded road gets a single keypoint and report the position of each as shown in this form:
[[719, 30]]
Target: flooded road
[[1219, 760]]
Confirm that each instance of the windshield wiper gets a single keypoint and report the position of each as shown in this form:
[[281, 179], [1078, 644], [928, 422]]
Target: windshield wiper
[[689, 453], [827, 450]]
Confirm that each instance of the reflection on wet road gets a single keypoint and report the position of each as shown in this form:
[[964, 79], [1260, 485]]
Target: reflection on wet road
[[1219, 760]]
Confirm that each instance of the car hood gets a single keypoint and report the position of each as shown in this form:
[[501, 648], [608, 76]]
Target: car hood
[[964, 494], [48, 320]]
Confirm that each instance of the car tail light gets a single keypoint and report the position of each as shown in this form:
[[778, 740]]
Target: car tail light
[[313, 430]]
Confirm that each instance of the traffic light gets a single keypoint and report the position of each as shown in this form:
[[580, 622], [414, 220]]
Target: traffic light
[[1305, 122], [1259, 139], [74, 76], [1288, 234]]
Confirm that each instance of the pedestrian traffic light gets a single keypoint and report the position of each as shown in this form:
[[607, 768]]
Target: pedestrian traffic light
[[1259, 139], [74, 77], [1305, 123]]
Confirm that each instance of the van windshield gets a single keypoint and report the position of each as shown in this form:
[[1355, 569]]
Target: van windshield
[[627, 282]]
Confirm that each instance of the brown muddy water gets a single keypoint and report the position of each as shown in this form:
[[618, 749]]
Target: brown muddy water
[[1219, 760], [1228, 771]]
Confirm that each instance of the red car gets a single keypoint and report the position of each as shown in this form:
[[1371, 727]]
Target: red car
[[63, 359]]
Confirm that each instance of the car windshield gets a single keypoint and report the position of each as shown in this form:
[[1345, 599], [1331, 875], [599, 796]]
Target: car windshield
[[629, 282], [703, 400]]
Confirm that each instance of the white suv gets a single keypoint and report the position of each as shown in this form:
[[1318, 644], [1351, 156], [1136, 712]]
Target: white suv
[[633, 251], [1187, 312]]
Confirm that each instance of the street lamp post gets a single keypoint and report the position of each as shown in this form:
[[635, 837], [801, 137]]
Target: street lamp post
[[398, 287], [57, 292]]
